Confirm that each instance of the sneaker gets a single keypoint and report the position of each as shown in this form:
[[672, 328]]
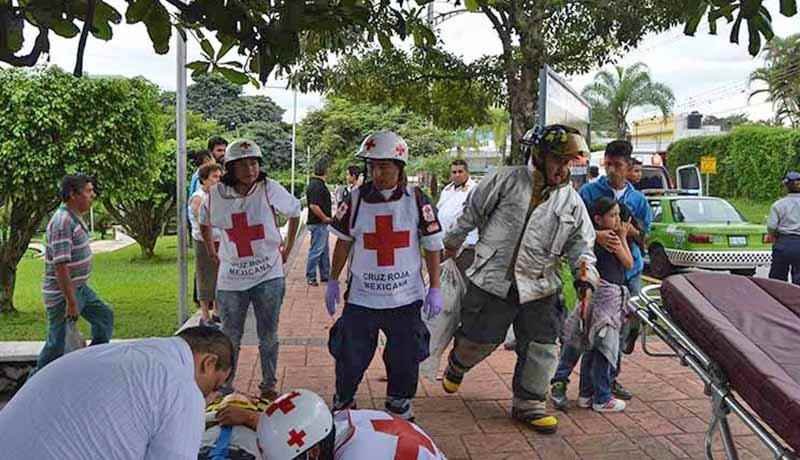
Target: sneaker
[[313, 283], [400, 409], [585, 402], [348, 405], [613, 405], [621, 392], [558, 395], [269, 395]]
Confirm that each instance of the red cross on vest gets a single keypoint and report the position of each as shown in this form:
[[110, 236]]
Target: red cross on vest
[[284, 403], [409, 440], [385, 240], [296, 438], [242, 234]]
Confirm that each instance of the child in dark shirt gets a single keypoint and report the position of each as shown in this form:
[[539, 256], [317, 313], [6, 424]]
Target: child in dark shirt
[[601, 320]]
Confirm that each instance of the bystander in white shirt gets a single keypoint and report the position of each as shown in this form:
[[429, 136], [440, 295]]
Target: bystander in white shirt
[[451, 205], [128, 401]]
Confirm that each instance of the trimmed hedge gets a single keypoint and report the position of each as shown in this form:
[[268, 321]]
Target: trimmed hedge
[[751, 160]]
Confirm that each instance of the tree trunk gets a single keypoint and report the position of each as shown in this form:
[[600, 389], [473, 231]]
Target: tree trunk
[[522, 77], [8, 278], [522, 94], [21, 217], [143, 220], [148, 248]]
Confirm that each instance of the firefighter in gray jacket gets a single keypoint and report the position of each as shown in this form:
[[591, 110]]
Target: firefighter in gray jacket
[[527, 217]]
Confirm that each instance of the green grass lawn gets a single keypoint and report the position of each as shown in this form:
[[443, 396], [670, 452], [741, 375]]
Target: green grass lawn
[[754, 211], [142, 293]]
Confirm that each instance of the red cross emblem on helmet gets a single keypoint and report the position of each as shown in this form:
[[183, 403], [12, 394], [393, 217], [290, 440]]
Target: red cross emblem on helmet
[[284, 404], [384, 145]]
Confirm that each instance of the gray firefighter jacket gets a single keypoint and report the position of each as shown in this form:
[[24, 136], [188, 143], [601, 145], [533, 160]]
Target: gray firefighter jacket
[[558, 227]]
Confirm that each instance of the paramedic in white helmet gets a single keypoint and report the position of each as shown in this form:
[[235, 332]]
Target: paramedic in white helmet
[[381, 229], [251, 252], [299, 426]]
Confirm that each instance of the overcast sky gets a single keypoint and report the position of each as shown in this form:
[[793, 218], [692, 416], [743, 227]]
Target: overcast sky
[[706, 73]]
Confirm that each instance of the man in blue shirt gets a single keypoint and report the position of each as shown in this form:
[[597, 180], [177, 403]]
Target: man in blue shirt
[[614, 184]]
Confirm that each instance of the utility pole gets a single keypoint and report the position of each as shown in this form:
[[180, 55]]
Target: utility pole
[[180, 159], [294, 135]]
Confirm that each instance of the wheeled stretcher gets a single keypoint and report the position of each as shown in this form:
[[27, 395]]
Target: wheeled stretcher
[[739, 335]]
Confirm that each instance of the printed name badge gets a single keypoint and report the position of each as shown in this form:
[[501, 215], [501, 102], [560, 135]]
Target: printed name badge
[[427, 213]]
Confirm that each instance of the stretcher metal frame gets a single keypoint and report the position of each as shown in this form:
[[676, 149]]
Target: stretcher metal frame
[[649, 309]]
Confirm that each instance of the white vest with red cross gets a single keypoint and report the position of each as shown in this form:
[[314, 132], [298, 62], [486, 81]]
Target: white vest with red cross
[[386, 265], [249, 249], [376, 435]]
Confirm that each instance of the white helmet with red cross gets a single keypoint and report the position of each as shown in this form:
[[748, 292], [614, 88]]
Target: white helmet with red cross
[[384, 145], [242, 148], [293, 424]]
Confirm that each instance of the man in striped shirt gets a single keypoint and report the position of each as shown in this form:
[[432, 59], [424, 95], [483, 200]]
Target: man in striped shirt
[[68, 262]]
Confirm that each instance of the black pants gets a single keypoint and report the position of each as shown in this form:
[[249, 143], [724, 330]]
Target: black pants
[[354, 337], [485, 319], [786, 259]]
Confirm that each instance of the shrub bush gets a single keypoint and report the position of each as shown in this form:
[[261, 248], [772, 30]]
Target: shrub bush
[[750, 160]]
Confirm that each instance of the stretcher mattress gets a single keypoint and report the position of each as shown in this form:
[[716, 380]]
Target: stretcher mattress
[[750, 327]]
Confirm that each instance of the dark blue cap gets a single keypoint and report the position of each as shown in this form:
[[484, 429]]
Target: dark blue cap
[[791, 176]]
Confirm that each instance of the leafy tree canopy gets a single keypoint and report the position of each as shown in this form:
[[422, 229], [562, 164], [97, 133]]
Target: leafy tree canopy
[[337, 129], [55, 124]]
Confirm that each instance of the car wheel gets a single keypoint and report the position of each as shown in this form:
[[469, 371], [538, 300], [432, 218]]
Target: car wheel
[[660, 265], [744, 271]]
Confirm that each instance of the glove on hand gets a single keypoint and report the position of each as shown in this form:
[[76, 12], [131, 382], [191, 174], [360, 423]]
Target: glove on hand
[[331, 296], [433, 303]]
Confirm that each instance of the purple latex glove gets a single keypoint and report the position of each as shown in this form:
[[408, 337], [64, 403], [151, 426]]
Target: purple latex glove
[[433, 303], [331, 296]]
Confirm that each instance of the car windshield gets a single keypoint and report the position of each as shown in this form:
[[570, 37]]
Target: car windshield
[[705, 211]]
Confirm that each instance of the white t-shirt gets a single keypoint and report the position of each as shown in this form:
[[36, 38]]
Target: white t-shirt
[[125, 401], [451, 206], [195, 220]]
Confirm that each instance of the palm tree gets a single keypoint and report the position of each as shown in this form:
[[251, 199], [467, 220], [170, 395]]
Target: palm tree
[[613, 94], [781, 75]]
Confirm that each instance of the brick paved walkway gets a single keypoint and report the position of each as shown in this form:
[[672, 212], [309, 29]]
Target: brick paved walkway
[[666, 420]]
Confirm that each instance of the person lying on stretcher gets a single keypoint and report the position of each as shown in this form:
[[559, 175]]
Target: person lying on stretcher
[[299, 426]]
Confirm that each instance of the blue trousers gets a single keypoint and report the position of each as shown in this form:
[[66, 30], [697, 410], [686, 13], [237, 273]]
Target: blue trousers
[[318, 253], [267, 298], [786, 259], [94, 310], [354, 338], [596, 377]]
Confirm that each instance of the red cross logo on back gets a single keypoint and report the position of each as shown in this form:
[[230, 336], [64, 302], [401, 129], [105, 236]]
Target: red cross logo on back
[[370, 144], [242, 234], [409, 440], [385, 240], [284, 403]]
